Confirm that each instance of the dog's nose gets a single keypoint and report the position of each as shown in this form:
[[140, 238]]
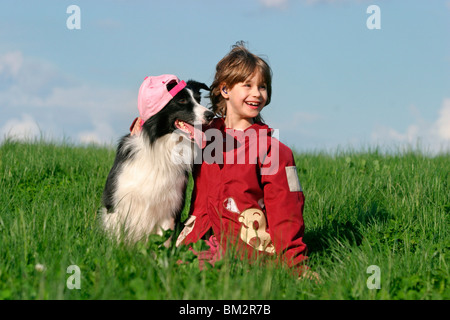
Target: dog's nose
[[208, 116]]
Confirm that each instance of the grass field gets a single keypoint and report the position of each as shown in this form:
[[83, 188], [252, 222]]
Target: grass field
[[362, 209]]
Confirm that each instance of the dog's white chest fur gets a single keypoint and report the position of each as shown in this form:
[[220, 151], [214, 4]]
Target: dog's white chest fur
[[150, 189]]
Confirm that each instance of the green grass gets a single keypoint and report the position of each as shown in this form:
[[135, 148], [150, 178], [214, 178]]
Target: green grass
[[362, 209]]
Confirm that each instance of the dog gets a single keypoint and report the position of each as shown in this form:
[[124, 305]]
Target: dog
[[145, 190]]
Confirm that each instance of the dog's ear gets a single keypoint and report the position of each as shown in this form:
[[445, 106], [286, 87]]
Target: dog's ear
[[197, 86]]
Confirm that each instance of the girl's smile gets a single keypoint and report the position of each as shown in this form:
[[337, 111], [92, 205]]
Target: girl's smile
[[245, 100], [253, 104]]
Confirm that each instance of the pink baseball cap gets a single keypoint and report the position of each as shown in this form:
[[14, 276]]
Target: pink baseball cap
[[153, 94]]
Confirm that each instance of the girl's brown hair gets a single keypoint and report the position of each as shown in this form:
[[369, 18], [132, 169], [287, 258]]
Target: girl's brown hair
[[238, 65]]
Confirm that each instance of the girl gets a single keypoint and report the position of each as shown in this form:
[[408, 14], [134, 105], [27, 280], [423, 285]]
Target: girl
[[249, 197]]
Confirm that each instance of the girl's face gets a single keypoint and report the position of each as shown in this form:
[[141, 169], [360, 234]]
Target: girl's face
[[245, 101]]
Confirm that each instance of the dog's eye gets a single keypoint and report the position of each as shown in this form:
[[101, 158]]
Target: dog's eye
[[182, 101]]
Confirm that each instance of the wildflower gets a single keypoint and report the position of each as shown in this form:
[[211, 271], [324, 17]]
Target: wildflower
[[39, 267]]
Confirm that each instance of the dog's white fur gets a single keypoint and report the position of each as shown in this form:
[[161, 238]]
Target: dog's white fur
[[140, 186]]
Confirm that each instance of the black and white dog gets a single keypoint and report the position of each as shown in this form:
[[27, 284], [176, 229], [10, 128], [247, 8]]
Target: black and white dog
[[145, 189]]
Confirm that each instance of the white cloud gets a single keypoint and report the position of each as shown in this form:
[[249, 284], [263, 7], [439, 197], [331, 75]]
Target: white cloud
[[443, 122], [431, 136], [102, 134], [281, 4], [10, 64], [23, 128], [54, 101]]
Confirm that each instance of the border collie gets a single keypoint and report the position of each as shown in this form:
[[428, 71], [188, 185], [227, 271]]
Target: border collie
[[145, 189]]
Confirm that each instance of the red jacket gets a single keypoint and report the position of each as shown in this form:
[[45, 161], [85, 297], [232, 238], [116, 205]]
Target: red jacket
[[249, 194]]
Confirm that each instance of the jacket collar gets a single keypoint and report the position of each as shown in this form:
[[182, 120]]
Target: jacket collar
[[219, 123]]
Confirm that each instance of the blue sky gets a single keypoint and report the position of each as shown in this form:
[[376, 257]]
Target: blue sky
[[336, 83]]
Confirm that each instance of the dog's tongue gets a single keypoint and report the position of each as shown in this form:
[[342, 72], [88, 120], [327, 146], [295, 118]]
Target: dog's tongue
[[197, 135]]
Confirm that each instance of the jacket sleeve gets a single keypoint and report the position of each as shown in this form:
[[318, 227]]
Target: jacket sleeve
[[284, 201]]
